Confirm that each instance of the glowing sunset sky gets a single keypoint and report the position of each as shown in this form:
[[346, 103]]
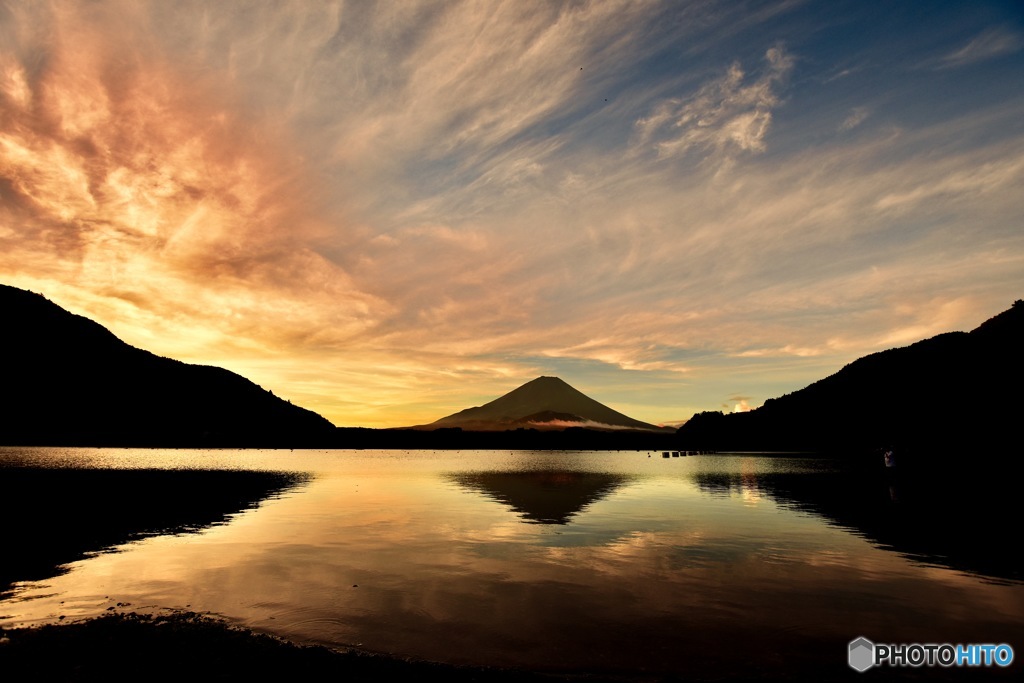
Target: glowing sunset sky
[[390, 211]]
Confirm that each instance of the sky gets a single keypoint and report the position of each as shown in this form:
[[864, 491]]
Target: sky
[[387, 212]]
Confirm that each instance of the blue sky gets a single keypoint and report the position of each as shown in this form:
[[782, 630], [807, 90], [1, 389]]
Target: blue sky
[[387, 212]]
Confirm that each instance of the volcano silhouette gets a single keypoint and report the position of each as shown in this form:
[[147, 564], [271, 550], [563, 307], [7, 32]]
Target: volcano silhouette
[[543, 403]]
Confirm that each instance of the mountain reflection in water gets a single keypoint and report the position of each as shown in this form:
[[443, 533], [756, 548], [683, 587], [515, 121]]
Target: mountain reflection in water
[[56, 516], [542, 496], [960, 523]]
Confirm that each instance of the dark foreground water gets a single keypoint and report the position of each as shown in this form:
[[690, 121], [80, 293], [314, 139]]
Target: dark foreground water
[[618, 563]]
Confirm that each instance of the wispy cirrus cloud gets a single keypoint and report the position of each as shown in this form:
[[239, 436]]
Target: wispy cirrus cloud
[[726, 115], [856, 117], [992, 43]]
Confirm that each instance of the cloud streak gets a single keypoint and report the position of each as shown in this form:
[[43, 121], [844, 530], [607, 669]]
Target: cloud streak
[[725, 116], [857, 116], [990, 44]]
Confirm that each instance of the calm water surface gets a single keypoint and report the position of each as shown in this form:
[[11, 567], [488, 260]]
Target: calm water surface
[[616, 562]]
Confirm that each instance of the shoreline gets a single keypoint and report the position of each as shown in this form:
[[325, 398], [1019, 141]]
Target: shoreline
[[125, 645]]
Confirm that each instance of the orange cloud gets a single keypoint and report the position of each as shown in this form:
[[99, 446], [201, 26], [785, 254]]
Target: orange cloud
[[151, 184], [109, 146]]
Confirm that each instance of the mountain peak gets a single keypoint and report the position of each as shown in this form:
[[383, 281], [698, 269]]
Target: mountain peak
[[548, 382], [547, 379], [528, 404]]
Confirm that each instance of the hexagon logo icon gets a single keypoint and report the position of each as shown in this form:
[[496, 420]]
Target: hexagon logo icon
[[862, 654]]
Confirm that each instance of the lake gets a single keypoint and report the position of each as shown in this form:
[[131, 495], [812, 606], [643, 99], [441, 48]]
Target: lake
[[705, 566]]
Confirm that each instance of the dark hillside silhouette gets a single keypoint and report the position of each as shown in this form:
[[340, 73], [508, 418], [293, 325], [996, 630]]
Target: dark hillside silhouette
[[69, 380], [949, 393]]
